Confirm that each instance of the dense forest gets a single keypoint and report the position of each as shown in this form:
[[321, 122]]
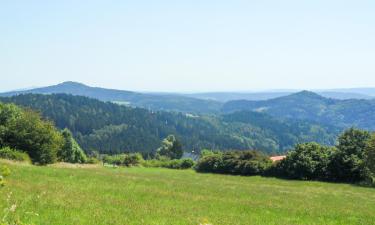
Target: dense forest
[[26, 136], [313, 107], [111, 128]]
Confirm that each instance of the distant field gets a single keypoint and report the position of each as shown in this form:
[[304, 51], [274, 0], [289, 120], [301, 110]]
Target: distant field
[[50, 195]]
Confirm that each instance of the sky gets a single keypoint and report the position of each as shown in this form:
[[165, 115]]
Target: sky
[[195, 45]]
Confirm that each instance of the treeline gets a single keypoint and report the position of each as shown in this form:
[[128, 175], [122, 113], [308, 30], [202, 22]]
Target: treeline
[[351, 160], [25, 136], [113, 129]]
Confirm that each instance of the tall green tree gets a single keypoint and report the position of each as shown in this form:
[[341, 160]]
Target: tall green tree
[[9, 113], [27, 131], [171, 148], [307, 161], [71, 151], [348, 161], [370, 155]]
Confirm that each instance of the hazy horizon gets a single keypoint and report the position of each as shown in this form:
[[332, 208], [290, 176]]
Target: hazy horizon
[[348, 89], [194, 46]]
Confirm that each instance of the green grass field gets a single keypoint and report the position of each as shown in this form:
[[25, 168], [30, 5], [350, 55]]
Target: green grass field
[[50, 195]]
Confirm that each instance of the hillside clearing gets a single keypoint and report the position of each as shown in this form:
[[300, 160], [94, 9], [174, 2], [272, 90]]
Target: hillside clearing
[[55, 195]]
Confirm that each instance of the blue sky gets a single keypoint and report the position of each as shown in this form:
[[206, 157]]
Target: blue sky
[[190, 45]]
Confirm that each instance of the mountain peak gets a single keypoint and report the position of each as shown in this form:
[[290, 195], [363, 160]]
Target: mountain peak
[[307, 94], [72, 83]]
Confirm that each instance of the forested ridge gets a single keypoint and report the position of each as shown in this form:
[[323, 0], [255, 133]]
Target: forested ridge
[[154, 101], [111, 128], [310, 106]]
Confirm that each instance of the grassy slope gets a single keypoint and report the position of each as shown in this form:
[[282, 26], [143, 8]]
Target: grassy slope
[[162, 196]]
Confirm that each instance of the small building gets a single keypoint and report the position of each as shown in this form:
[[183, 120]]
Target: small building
[[278, 158]]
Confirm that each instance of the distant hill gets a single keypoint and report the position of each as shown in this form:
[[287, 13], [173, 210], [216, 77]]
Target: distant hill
[[168, 102], [256, 96], [229, 96], [313, 107], [344, 95], [112, 128], [364, 91], [205, 103]]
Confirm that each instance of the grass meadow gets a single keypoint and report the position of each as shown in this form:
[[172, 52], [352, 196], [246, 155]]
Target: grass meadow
[[98, 195]]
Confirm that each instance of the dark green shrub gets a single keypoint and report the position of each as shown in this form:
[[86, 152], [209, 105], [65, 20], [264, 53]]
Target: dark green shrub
[[134, 159], [307, 161], [352, 160], [171, 164], [234, 162], [179, 164], [210, 164], [26, 130], [348, 162], [186, 163], [11, 154], [252, 167], [114, 159], [275, 170]]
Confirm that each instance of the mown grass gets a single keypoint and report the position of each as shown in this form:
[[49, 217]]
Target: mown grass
[[50, 195]]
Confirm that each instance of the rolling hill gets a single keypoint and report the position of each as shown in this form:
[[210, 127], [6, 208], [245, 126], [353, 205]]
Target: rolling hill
[[167, 102], [313, 107], [196, 103], [111, 128], [272, 125], [257, 96]]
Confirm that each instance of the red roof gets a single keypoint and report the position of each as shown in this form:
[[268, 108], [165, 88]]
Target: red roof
[[277, 158]]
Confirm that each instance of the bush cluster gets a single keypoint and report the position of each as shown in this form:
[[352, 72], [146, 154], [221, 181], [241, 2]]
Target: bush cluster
[[12, 154], [350, 161], [26, 130], [171, 164], [234, 162], [133, 159], [307, 161]]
